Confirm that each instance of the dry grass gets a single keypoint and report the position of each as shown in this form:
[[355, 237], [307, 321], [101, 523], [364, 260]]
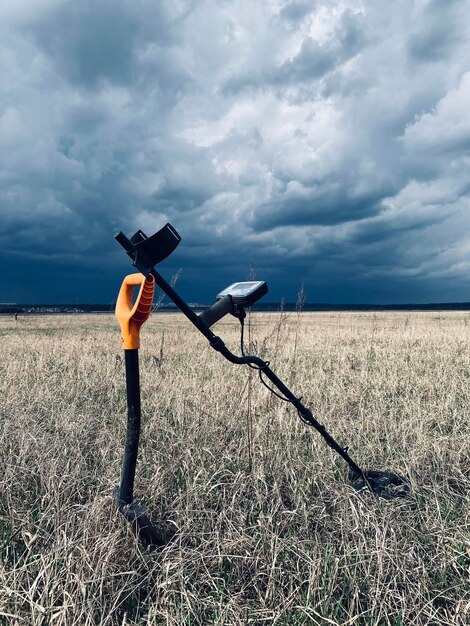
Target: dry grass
[[288, 542]]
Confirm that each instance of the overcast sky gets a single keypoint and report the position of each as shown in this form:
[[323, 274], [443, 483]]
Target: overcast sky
[[327, 142]]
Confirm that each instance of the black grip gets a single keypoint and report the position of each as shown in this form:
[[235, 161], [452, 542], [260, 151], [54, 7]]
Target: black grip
[[217, 311]]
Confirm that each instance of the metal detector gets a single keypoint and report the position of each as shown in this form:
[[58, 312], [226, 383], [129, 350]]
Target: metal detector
[[146, 252]]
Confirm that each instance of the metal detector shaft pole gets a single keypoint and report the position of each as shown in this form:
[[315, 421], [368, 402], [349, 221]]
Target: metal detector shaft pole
[[217, 343]]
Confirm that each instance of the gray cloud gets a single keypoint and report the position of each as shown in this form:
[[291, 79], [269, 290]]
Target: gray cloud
[[297, 10], [313, 61], [90, 42], [439, 28], [312, 137]]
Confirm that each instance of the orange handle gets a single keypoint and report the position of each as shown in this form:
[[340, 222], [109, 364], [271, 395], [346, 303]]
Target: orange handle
[[132, 316]]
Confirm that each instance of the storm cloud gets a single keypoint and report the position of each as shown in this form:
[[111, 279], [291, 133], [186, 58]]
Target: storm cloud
[[327, 141]]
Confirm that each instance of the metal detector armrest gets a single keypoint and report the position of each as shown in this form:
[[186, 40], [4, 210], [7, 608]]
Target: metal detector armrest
[[146, 252]]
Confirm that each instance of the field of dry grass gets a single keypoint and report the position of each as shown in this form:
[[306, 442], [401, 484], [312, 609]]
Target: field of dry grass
[[268, 531]]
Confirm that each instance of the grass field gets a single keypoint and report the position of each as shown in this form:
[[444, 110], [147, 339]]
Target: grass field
[[268, 531]]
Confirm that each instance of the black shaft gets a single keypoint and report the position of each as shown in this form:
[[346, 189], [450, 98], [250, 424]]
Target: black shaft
[[126, 488], [307, 415], [183, 306], [218, 344]]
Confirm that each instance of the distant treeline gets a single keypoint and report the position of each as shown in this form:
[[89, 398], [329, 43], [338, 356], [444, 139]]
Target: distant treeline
[[13, 309], [292, 306]]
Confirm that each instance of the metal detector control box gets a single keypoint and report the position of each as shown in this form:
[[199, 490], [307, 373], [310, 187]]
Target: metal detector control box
[[245, 294]]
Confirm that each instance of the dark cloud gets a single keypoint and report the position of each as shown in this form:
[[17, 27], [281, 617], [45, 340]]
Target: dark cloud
[[311, 62], [439, 28], [90, 42], [328, 141], [297, 10], [326, 207]]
